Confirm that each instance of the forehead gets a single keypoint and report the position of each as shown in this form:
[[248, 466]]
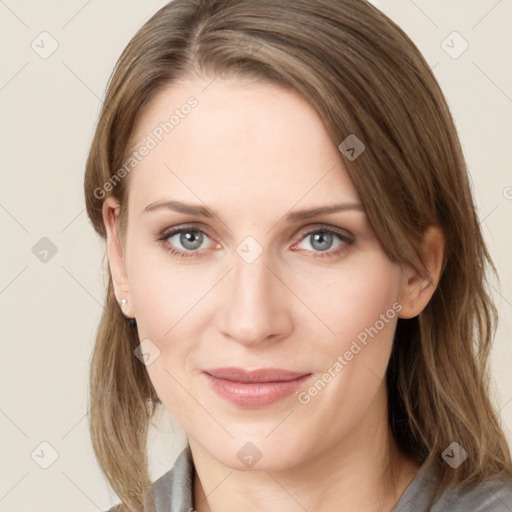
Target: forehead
[[247, 140]]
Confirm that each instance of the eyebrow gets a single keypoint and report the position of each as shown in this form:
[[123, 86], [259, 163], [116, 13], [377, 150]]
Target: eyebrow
[[295, 216]]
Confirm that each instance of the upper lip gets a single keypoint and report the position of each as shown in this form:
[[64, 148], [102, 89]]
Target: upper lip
[[257, 375]]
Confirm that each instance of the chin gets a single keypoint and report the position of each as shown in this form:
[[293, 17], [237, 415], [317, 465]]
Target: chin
[[258, 453]]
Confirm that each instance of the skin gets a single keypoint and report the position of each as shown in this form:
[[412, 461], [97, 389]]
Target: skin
[[253, 152]]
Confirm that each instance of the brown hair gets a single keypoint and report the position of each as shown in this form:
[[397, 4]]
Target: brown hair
[[364, 76]]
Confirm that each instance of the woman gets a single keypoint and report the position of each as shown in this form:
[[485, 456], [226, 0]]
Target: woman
[[296, 269]]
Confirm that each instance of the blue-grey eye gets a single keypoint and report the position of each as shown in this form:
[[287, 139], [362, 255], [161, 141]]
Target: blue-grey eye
[[191, 239], [321, 241]]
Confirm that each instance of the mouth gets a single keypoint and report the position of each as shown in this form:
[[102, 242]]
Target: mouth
[[256, 388]]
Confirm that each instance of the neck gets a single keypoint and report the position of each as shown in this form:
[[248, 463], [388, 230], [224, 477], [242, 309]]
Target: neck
[[365, 470]]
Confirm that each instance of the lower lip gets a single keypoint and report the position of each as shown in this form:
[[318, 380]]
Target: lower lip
[[254, 394]]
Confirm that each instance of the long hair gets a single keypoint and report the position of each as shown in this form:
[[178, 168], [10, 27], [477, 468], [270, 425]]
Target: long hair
[[363, 76]]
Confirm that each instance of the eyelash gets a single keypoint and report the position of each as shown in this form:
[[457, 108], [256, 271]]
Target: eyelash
[[347, 240]]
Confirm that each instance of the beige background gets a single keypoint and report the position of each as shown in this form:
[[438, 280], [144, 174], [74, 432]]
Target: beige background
[[50, 309]]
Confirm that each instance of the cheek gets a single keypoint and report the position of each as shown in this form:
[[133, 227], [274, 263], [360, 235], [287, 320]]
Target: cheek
[[350, 302], [168, 302], [343, 318], [163, 291], [361, 309], [353, 301]]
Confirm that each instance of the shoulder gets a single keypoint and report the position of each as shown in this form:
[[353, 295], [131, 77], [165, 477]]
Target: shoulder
[[174, 491], [487, 496], [423, 495]]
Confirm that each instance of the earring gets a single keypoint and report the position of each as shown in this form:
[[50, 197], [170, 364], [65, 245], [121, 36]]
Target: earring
[[133, 322]]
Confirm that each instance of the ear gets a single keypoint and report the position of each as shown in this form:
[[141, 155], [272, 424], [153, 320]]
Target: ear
[[110, 211], [417, 288]]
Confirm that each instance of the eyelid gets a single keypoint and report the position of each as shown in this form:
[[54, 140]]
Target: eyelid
[[311, 228], [345, 236], [304, 231], [168, 232]]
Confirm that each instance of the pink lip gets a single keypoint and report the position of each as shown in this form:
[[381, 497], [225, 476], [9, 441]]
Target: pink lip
[[256, 388]]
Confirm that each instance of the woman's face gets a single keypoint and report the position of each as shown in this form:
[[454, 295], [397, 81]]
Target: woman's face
[[255, 285]]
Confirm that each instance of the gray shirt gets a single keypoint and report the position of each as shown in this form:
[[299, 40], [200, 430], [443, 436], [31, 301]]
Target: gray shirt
[[173, 492]]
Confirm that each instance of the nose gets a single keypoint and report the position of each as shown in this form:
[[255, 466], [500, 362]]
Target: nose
[[256, 305]]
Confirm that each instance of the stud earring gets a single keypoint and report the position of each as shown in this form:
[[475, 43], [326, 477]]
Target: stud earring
[[133, 322]]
